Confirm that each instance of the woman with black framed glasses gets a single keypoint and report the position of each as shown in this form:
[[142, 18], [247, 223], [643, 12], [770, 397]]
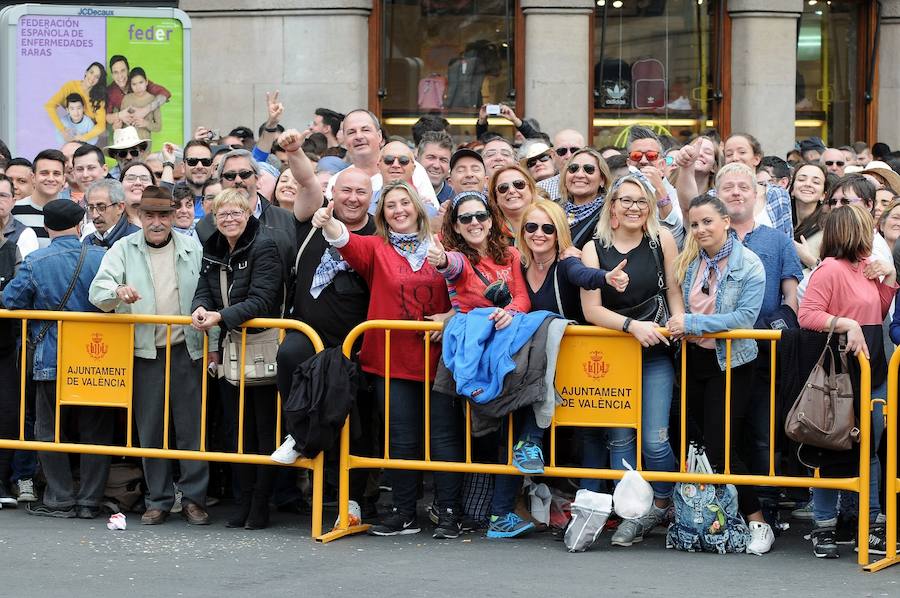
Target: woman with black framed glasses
[[583, 184], [512, 190], [135, 177]]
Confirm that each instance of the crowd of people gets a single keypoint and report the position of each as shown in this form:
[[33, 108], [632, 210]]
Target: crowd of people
[[341, 222]]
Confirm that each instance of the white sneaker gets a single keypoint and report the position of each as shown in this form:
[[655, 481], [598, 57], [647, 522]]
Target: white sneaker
[[355, 513], [761, 538], [285, 454], [26, 490]]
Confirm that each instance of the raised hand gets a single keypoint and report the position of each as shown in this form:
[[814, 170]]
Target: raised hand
[[291, 140], [275, 109], [436, 256]]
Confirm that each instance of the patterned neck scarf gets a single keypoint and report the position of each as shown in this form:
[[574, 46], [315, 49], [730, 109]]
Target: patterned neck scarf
[[712, 263], [409, 246], [328, 268], [576, 213]]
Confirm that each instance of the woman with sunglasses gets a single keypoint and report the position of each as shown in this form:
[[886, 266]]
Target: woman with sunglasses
[[481, 270], [808, 189], [512, 190], [696, 167], [553, 283], [404, 286], [629, 236], [722, 283], [135, 177], [583, 183]]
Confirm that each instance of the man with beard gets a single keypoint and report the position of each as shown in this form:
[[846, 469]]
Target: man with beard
[[198, 170]]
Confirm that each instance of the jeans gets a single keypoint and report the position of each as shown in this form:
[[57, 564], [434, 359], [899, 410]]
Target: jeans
[[25, 463], [407, 430], [507, 486], [657, 380], [825, 501]]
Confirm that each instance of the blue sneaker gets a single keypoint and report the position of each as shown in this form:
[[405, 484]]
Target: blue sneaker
[[508, 526], [528, 458]]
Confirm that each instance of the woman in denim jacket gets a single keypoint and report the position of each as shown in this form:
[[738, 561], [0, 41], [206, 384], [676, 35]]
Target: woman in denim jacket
[[722, 283]]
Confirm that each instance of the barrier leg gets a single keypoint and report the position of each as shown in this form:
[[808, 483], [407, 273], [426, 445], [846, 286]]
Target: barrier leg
[[891, 473], [343, 527], [318, 491]]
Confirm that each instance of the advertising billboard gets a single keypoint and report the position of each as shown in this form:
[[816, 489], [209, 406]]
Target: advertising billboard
[[80, 73]]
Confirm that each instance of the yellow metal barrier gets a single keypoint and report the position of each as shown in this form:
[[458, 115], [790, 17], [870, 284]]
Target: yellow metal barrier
[[109, 338], [591, 340], [892, 475]]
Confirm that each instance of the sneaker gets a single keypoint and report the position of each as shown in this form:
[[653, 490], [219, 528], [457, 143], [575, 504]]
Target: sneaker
[[396, 524], [448, 526], [846, 530], [528, 458], [433, 513], [177, 506], [804, 513], [823, 541], [39, 509], [630, 531], [85, 512], [508, 526], [761, 538], [877, 540], [285, 454], [26, 490], [6, 499], [354, 514]]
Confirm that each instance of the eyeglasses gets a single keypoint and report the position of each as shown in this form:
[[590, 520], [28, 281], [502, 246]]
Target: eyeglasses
[[636, 155], [503, 188], [100, 208], [233, 174], [530, 162], [834, 162], [562, 151], [404, 160], [235, 215], [627, 203], [125, 153], [588, 169], [846, 201], [547, 229], [195, 161], [466, 218], [138, 178]]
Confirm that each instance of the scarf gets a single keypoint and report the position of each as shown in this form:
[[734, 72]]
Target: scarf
[[327, 269], [576, 213], [712, 263], [410, 247]]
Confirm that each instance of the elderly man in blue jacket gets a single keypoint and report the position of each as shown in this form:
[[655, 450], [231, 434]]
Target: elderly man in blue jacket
[[58, 277]]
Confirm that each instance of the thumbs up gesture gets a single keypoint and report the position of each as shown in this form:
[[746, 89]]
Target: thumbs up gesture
[[617, 278], [437, 256], [686, 156], [323, 216]]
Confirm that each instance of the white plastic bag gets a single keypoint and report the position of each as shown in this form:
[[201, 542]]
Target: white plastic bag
[[539, 499], [589, 514], [633, 496]]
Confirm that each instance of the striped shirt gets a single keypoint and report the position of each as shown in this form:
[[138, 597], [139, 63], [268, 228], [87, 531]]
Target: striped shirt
[[32, 216]]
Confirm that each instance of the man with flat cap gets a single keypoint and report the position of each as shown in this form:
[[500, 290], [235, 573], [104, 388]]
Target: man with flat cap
[[155, 272], [57, 277]]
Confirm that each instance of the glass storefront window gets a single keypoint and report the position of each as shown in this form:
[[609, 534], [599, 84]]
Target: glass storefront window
[[827, 71], [445, 57], [653, 64]]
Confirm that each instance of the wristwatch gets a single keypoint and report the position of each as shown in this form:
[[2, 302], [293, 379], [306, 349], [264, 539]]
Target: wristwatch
[[626, 324], [272, 130], [169, 164]]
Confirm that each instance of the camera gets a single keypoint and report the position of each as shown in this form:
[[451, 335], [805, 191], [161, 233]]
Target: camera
[[492, 109]]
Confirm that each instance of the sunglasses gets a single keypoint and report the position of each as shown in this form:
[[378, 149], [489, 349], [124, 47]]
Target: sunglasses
[[635, 156], [466, 218], [562, 151], [547, 229], [503, 188], [846, 201], [195, 161], [231, 175], [404, 160], [834, 162], [125, 153], [531, 162], [588, 169]]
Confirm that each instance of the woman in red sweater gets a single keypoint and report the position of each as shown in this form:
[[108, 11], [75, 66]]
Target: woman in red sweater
[[852, 292], [404, 286]]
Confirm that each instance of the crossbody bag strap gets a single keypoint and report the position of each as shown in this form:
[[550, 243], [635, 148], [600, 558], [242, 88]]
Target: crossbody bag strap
[[309, 236], [656, 249], [483, 278], [223, 285], [46, 327], [556, 289]]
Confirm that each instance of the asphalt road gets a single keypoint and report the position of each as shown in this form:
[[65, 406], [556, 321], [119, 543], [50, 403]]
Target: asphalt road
[[77, 558]]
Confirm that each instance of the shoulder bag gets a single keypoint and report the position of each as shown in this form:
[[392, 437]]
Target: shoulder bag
[[656, 308], [823, 416], [260, 366]]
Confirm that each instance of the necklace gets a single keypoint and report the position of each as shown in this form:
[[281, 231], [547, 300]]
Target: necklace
[[541, 265]]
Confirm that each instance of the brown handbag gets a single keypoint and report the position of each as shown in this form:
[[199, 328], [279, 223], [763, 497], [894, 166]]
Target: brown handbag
[[822, 416]]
